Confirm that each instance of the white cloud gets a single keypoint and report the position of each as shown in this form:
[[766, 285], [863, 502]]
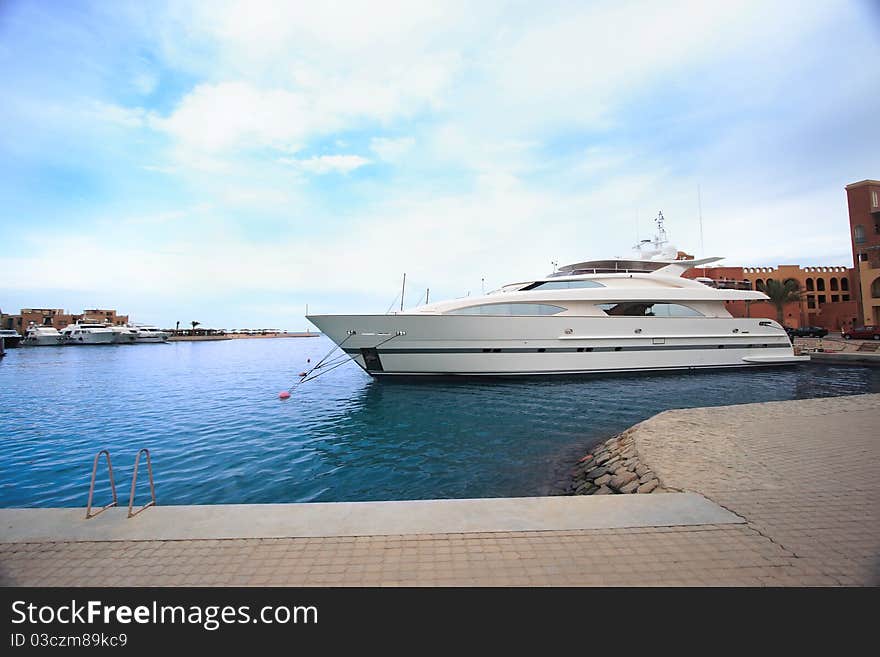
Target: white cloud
[[391, 150], [321, 164], [121, 116], [228, 115]]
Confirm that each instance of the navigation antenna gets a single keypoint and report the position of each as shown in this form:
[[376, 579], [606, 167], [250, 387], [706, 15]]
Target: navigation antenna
[[661, 231]]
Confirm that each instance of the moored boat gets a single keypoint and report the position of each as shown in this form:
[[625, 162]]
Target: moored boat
[[148, 333], [589, 317], [42, 336], [122, 334], [11, 338], [87, 334]]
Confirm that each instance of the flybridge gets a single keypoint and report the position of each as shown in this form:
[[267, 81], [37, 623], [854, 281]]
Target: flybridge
[[661, 267]]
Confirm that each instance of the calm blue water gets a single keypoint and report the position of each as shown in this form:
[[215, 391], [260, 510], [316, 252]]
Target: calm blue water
[[210, 415]]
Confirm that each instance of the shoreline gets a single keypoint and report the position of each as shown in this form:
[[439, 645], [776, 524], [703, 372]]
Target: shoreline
[[623, 465], [237, 336]]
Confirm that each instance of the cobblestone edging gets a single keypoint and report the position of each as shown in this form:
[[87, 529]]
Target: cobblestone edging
[[614, 467]]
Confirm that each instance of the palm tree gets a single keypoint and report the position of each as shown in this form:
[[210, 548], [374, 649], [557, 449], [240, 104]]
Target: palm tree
[[781, 293], [194, 324]]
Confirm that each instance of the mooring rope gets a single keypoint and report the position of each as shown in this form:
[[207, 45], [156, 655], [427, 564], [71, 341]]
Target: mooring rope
[[335, 362], [306, 375]]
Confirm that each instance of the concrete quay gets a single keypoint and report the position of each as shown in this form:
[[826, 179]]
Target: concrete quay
[[773, 494], [834, 349]]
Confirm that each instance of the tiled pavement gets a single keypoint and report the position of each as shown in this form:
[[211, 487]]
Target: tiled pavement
[[709, 554], [803, 474]]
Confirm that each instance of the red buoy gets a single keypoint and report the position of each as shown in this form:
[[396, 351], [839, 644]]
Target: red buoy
[[284, 395]]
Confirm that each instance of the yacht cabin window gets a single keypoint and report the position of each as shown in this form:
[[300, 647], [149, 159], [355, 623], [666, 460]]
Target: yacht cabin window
[[508, 309], [560, 285], [648, 309]]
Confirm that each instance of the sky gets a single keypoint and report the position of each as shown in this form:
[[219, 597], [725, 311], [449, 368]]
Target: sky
[[231, 162]]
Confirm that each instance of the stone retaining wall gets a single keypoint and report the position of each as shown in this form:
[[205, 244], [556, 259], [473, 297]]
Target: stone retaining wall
[[614, 467]]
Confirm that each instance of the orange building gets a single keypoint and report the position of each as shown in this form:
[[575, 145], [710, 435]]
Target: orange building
[[827, 293], [58, 318], [863, 203]]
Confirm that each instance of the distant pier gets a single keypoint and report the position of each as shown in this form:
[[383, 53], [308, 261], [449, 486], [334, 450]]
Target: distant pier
[[238, 336]]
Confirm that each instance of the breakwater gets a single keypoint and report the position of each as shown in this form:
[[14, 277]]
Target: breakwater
[[614, 467]]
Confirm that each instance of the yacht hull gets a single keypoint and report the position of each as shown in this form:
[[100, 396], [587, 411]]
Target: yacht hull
[[42, 341], [443, 345], [91, 338]]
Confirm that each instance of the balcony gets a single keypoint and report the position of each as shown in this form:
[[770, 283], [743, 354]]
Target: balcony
[[726, 284]]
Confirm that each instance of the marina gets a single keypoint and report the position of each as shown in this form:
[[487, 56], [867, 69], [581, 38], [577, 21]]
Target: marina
[[431, 295], [209, 415]]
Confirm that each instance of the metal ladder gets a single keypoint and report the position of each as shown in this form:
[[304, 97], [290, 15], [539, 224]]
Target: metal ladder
[[134, 478], [137, 461], [92, 486]]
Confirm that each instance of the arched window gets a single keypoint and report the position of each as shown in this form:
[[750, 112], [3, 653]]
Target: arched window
[[859, 234], [875, 289], [508, 309], [648, 309], [810, 284], [834, 286], [844, 284], [759, 284], [820, 284]]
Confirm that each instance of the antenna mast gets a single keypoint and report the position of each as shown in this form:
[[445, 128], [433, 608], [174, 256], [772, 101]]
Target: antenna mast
[[700, 215], [402, 291], [661, 231]]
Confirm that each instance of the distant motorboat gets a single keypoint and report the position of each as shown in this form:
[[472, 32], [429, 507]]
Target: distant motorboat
[[148, 333], [87, 334], [10, 337], [123, 334], [42, 336]]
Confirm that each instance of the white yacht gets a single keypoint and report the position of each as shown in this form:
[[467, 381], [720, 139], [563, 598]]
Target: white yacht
[[42, 336], [148, 333], [590, 317], [87, 334], [122, 334]]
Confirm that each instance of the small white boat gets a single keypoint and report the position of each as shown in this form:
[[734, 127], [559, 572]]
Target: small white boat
[[42, 336], [87, 334], [148, 333]]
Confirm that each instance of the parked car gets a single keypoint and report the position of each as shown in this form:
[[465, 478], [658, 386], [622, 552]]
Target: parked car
[[863, 333], [806, 332]]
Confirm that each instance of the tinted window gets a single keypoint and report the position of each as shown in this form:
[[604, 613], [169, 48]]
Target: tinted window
[[508, 309], [562, 285], [645, 309]]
